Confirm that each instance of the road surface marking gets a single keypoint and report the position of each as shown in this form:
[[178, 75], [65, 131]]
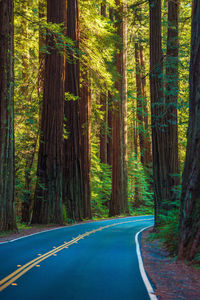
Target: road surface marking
[[146, 281], [8, 280]]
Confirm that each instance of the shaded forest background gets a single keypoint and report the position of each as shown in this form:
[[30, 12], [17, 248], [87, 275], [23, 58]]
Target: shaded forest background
[[96, 98]]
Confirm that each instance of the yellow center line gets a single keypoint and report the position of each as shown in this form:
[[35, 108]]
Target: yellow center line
[[5, 282], [13, 279], [34, 260]]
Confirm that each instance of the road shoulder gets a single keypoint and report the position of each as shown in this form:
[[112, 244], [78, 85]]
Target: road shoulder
[[171, 280]]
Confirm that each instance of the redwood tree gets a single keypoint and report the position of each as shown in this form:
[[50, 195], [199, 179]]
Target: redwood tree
[[119, 197], [73, 181], [48, 195], [189, 231], [171, 99], [139, 108], [157, 108], [147, 142], [110, 113], [85, 141], [103, 103], [7, 205]]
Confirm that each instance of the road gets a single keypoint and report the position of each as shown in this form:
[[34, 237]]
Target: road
[[89, 261]]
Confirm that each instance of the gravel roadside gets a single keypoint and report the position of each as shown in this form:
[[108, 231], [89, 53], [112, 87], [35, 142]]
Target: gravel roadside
[[171, 280]]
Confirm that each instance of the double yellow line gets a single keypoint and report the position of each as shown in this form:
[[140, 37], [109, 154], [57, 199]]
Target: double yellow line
[[10, 279]]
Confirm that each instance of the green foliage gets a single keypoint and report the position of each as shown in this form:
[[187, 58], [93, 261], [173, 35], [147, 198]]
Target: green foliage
[[71, 97], [97, 43], [27, 102], [197, 260], [100, 185], [139, 180], [168, 229]]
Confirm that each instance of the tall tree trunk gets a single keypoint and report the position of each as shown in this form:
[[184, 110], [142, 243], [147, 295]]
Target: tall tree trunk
[[137, 200], [189, 231], [85, 142], [157, 108], [171, 98], [139, 108], [119, 197], [103, 129], [73, 187], [103, 125], [42, 42], [147, 142], [7, 205], [25, 208], [48, 194], [28, 202], [124, 132], [110, 113], [109, 136]]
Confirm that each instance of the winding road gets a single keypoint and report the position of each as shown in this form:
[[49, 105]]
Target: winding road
[[88, 261]]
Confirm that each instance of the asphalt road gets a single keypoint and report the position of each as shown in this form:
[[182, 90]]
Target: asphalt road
[[90, 261]]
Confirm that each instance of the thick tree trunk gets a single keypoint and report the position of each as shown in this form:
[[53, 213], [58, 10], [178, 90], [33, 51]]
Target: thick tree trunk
[[7, 205], [110, 113], [103, 125], [73, 186], [48, 195], [139, 109], [28, 202], [119, 198], [85, 142], [109, 136], [137, 199], [42, 42], [25, 208], [189, 231], [171, 99], [103, 129], [124, 133], [157, 108], [147, 142]]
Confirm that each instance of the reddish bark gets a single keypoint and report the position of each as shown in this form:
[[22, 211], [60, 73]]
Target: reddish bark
[[157, 108], [73, 185], [171, 101], [48, 194], [189, 229], [119, 199], [85, 142], [7, 205], [147, 142], [103, 124]]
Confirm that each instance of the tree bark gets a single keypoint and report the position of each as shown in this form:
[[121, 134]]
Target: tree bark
[[110, 113], [42, 42], [147, 142], [139, 108], [48, 194], [73, 185], [85, 142], [124, 133], [157, 108], [103, 125], [119, 197], [7, 204], [171, 99], [109, 136], [189, 231], [137, 199], [103, 129]]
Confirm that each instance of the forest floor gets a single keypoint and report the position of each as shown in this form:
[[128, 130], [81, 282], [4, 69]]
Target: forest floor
[[171, 280]]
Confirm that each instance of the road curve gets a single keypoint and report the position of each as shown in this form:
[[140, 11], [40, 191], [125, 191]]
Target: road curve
[[89, 261]]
